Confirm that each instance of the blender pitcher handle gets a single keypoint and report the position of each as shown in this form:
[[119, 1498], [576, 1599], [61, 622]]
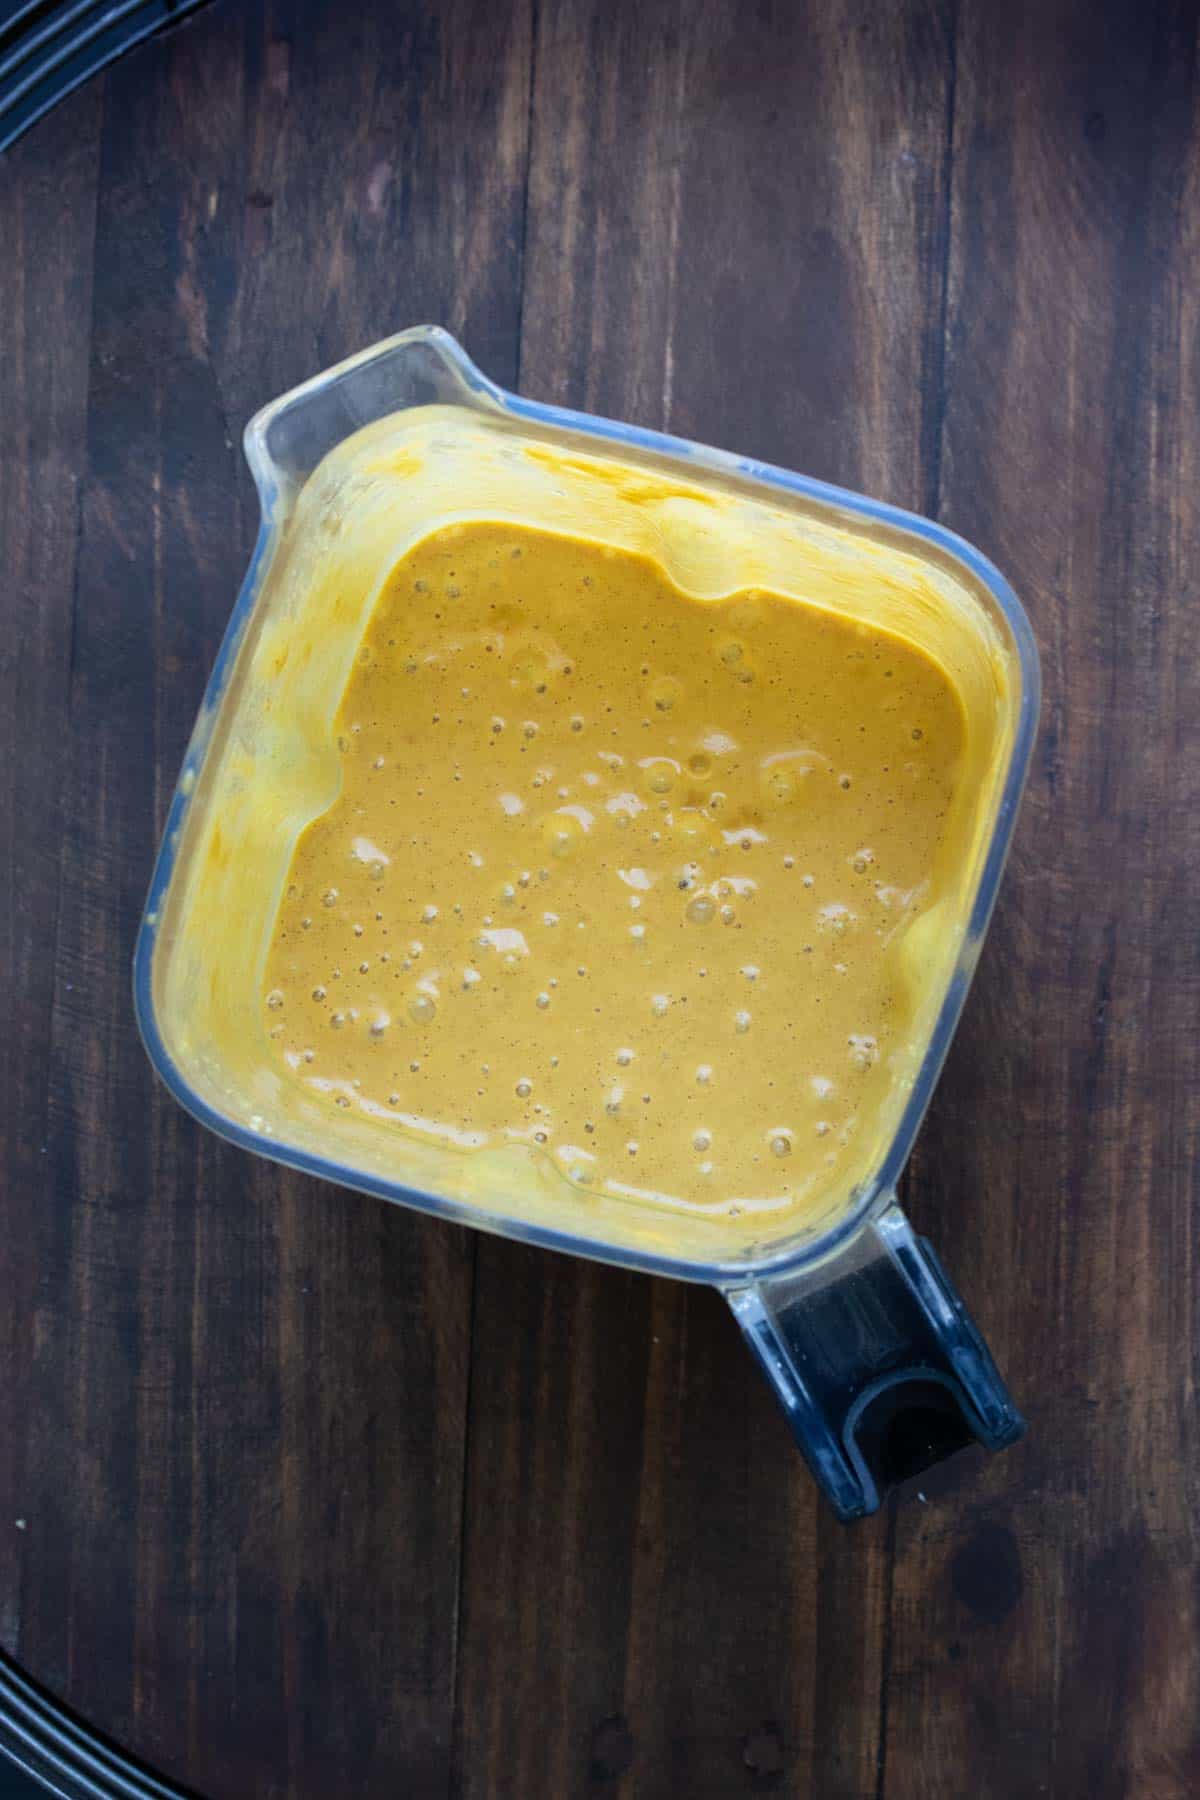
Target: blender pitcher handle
[[877, 1363]]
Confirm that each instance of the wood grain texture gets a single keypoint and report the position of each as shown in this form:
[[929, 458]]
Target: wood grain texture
[[214, 1365], [734, 1634], [320, 1498], [47, 213], [1054, 1600]]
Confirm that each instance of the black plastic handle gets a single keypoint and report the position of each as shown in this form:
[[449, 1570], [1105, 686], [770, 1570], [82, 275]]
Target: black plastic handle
[[877, 1363]]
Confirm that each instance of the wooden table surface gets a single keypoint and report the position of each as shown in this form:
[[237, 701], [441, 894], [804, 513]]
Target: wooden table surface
[[303, 1495]]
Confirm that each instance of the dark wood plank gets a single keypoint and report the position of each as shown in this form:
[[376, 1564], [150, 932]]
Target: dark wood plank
[[47, 214], [736, 229], [238, 1398], [1046, 1617]]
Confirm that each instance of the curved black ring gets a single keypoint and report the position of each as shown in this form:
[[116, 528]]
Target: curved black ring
[[50, 47], [66, 1756], [47, 49]]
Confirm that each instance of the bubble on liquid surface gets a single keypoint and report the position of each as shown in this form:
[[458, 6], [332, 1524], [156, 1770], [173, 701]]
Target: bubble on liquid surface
[[531, 669], [562, 832], [422, 1009], [785, 776], [693, 830], [659, 774], [702, 910], [664, 692]]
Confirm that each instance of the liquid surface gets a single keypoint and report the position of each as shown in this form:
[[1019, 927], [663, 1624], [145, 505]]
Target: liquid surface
[[617, 874]]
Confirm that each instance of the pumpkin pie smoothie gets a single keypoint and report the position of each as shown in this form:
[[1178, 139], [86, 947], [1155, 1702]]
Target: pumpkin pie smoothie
[[618, 874]]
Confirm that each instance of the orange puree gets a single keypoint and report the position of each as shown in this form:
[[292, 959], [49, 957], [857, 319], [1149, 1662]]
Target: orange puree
[[619, 874]]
